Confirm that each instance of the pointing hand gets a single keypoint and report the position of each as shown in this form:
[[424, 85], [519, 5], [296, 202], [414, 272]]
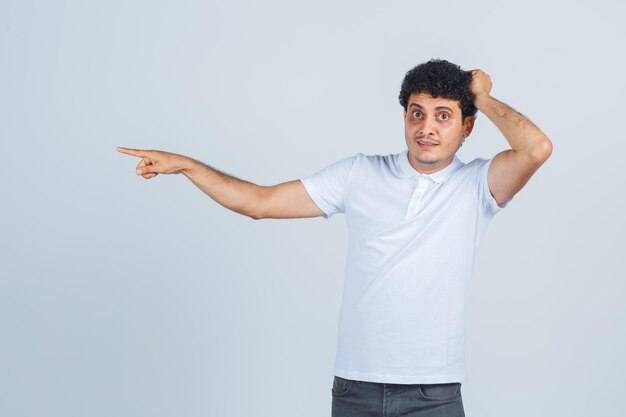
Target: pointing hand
[[154, 163]]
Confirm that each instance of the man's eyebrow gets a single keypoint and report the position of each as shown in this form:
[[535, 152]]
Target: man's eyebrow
[[436, 108]]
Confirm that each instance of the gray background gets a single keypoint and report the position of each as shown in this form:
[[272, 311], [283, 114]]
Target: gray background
[[121, 296]]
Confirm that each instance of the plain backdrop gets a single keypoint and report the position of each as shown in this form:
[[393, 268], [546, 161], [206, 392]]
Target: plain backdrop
[[121, 296]]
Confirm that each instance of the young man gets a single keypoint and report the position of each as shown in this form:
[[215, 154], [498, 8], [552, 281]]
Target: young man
[[415, 220]]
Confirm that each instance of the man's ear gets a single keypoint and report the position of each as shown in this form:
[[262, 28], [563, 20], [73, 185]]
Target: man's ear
[[468, 125]]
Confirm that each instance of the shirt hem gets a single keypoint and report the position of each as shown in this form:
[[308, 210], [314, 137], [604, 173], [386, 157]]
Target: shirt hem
[[316, 197], [400, 379]]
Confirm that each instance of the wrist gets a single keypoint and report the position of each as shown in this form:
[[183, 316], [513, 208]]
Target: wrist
[[189, 166], [480, 99]]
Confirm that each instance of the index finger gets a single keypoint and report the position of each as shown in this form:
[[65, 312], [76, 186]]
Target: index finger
[[134, 152]]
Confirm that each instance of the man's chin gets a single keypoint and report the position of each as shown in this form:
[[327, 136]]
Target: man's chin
[[424, 157]]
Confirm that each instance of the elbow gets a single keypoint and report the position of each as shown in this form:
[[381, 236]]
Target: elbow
[[543, 150], [254, 214], [548, 148], [256, 210]]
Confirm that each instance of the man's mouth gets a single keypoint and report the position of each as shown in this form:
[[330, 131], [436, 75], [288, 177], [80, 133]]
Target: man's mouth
[[426, 143]]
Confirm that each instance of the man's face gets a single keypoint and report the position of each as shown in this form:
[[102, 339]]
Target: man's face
[[433, 128]]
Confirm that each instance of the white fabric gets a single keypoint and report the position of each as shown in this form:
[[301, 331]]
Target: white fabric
[[412, 243]]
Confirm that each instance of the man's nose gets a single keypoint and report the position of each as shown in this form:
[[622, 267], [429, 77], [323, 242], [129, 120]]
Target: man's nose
[[427, 127]]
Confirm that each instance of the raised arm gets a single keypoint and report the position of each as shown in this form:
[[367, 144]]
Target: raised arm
[[511, 169], [287, 200]]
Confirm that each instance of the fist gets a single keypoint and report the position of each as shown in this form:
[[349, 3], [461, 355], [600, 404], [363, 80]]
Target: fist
[[480, 84]]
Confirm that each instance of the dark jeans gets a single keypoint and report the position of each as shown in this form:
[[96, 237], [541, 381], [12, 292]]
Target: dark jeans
[[372, 399]]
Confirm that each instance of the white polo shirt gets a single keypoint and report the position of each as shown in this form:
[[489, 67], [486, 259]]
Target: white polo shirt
[[412, 241]]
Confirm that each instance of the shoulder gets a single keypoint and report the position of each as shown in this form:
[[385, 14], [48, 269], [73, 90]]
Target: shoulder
[[379, 162], [476, 163], [477, 166]]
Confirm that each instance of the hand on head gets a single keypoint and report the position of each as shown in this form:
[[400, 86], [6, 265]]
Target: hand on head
[[481, 83]]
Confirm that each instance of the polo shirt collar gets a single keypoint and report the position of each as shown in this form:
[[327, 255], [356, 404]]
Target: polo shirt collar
[[439, 177]]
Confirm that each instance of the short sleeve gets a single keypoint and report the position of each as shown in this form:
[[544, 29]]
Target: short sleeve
[[327, 187], [487, 202]]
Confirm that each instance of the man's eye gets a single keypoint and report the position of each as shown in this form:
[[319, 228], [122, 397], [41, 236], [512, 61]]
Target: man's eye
[[445, 116], [416, 112]]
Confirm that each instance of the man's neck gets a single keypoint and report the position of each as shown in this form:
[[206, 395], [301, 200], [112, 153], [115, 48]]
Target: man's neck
[[429, 168]]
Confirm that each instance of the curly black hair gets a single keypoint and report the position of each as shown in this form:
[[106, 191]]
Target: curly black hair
[[439, 78]]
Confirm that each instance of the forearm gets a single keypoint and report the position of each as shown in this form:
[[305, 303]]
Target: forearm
[[520, 132], [233, 193]]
